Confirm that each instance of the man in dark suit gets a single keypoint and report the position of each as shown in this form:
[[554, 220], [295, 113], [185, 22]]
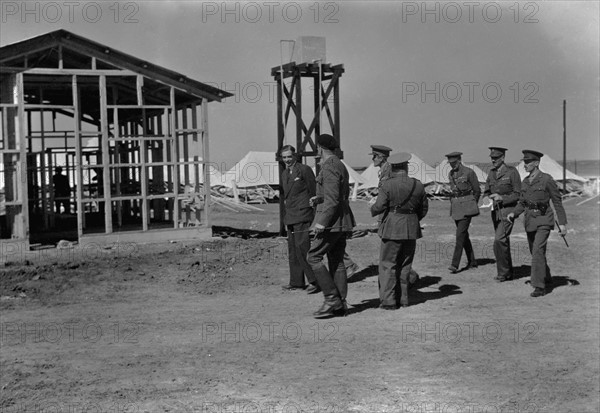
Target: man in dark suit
[[403, 202], [463, 206], [503, 187], [298, 184], [537, 190], [62, 190], [333, 220]]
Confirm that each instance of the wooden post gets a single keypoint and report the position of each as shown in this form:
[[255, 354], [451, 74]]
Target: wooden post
[[175, 158], [105, 156], [78, 157], [206, 163], [565, 145]]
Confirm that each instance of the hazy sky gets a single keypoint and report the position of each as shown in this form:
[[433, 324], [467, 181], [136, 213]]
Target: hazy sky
[[501, 69]]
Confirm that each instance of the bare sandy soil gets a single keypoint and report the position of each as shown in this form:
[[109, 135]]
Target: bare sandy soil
[[206, 327]]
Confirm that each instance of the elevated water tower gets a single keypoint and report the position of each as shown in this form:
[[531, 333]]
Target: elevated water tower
[[308, 61]]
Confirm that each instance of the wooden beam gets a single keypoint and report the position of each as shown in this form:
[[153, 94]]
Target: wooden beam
[[206, 163], [175, 153], [105, 156], [144, 172], [24, 233], [78, 158]]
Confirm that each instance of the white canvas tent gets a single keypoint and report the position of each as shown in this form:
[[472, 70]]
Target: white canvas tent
[[550, 166], [216, 179], [355, 177], [417, 168], [253, 170]]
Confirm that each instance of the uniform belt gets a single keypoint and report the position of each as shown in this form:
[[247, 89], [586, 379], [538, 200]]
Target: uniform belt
[[536, 206], [404, 211], [461, 194]]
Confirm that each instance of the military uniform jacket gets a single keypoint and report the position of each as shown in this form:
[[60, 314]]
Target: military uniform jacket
[[333, 190], [535, 202], [403, 224], [298, 187], [463, 182], [504, 181]]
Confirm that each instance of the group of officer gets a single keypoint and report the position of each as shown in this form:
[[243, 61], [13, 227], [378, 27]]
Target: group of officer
[[320, 207]]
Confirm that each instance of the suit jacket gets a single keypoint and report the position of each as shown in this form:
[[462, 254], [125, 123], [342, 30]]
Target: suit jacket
[[506, 182], [298, 187], [541, 190], [333, 191], [463, 182], [393, 192]]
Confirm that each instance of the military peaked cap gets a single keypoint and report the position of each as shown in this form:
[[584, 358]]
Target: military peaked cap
[[496, 151], [399, 158], [380, 150], [530, 155], [453, 155]]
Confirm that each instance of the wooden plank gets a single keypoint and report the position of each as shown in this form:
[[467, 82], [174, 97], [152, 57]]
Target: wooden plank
[[80, 72], [24, 198], [117, 136], [175, 154], [144, 173], [42, 168], [105, 156], [206, 161], [139, 84], [196, 149], [78, 158]]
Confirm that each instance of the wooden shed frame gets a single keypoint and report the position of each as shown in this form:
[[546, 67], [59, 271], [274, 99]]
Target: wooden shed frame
[[131, 136]]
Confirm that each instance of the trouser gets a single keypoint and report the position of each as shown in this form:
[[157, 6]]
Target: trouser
[[503, 228], [298, 246], [395, 261], [333, 280], [348, 262], [538, 241], [463, 241]]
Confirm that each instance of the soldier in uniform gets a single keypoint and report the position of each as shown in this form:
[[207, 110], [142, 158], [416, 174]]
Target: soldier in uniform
[[403, 202], [465, 188], [537, 190], [333, 220], [503, 187], [380, 154], [298, 184]]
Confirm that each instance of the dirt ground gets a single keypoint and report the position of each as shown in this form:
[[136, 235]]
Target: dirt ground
[[206, 327]]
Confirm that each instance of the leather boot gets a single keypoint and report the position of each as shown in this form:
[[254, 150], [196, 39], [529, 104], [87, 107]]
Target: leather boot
[[332, 305]]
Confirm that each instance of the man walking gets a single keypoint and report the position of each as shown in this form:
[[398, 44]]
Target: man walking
[[503, 187], [463, 206], [298, 184], [333, 220], [537, 190], [404, 203]]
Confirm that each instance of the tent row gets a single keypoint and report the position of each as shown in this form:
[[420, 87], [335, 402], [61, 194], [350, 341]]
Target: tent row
[[258, 169]]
